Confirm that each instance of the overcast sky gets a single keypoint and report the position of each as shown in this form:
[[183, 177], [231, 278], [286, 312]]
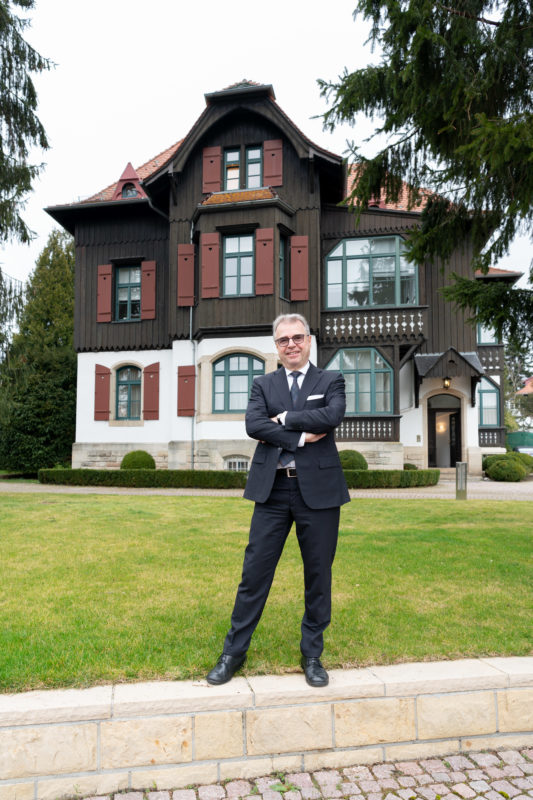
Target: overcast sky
[[131, 75]]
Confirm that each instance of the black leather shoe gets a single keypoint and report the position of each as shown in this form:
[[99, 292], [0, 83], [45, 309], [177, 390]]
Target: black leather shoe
[[225, 669], [315, 674]]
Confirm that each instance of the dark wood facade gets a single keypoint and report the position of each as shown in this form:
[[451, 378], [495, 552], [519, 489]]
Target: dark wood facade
[[169, 224]]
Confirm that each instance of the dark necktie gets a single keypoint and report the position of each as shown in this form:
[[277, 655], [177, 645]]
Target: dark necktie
[[285, 457], [295, 391]]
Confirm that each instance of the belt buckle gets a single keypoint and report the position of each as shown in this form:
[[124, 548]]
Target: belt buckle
[[291, 472]]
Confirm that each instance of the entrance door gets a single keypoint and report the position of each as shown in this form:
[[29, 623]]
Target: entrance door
[[444, 431]]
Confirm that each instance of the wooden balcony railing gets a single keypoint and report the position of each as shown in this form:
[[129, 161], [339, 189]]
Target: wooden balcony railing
[[365, 325], [492, 437], [369, 429], [491, 356]]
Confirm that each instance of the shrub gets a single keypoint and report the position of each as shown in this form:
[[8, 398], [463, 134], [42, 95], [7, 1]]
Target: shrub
[[510, 457], [137, 459], [390, 478], [352, 459], [526, 460], [146, 478], [506, 469], [409, 465]]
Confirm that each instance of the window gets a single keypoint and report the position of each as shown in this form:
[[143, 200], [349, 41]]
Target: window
[[238, 265], [232, 381], [128, 393], [129, 190], [488, 395], [486, 335], [370, 272], [284, 274], [368, 380], [252, 175], [237, 463], [128, 293]]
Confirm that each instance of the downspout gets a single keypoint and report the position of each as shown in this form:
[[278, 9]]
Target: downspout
[[193, 343]]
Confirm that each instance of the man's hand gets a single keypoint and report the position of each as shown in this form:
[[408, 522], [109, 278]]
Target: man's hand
[[313, 437]]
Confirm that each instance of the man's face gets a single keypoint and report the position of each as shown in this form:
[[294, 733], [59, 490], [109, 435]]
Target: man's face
[[293, 356]]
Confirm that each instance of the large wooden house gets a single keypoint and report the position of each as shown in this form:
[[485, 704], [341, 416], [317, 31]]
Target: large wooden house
[[182, 264]]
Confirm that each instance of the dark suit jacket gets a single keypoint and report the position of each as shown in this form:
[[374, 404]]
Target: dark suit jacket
[[321, 406]]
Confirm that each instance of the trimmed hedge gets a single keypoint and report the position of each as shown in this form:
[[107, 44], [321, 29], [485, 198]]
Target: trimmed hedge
[[506, 469], [352, 459], [390, 478], [137, 459], [223, 479], [146, 478]]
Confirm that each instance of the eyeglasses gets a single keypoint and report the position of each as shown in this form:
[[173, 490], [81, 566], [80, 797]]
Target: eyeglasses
[[284, 341]]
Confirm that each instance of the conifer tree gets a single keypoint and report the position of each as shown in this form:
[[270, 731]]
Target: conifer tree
[[38, 375], [20, 128], [454, 94]]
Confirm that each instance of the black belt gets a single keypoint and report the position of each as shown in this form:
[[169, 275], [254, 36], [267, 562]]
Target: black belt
[[288, 472]]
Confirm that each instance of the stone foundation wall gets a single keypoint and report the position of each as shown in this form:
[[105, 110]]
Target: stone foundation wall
[[57, 744], [89, 455]]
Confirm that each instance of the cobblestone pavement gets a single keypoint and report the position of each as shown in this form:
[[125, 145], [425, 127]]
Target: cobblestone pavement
[[506, 774]]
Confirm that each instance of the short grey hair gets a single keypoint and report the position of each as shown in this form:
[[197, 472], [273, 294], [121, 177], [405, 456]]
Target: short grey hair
[[290, 318]]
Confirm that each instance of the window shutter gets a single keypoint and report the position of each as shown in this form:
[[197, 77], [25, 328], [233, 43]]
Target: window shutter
[[151, 392], [104, 293], [299, 268], [212, 170], [186, 387], [185, 274], [264, 261], [102, 384], [210, 255], [273, 162], [148, 290]]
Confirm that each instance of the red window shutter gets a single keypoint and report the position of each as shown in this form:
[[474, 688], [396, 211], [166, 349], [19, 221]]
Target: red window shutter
[[104, 293], [148, 290], [212, 170], [210, 255], [102, 384], [185, 274], [264, 261], [273, 162], [151, 392], [186, 387], [299, 268]]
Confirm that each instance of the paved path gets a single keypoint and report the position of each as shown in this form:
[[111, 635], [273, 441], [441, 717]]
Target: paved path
[[478, 489], [506, 774]]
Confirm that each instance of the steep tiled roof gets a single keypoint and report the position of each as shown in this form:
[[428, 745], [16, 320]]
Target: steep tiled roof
[[403, 200], [143, 172], [527, 388]]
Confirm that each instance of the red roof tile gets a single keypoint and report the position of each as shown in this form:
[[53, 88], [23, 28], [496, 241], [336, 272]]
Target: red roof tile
[[528, 388], [143, 172], [403, 200]]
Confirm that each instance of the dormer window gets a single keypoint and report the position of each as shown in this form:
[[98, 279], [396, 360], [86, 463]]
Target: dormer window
[[243, 168], [129, 190]]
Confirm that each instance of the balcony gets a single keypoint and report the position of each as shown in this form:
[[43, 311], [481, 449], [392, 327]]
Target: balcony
[[366, 326], [491, 357], [492, 437], [369, 429]]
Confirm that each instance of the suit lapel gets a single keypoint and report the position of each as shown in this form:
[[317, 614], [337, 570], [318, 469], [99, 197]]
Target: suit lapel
[[281, 385]]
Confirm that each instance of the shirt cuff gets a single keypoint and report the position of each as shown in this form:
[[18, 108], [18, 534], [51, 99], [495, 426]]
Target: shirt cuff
[[281, 417], [302, 440]]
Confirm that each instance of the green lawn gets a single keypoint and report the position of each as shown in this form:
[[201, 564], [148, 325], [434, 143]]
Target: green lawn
[[106, 588]]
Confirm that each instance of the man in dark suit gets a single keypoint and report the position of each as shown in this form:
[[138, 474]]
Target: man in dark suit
[[295, 476]]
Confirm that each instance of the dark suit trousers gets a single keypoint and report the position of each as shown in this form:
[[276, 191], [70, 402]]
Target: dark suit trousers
[[317, 532]]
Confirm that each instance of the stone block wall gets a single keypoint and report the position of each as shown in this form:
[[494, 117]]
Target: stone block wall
[[56, 744]]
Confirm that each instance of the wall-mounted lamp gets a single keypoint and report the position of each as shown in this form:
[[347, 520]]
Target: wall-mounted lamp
[[441, 427], [446, 383]]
